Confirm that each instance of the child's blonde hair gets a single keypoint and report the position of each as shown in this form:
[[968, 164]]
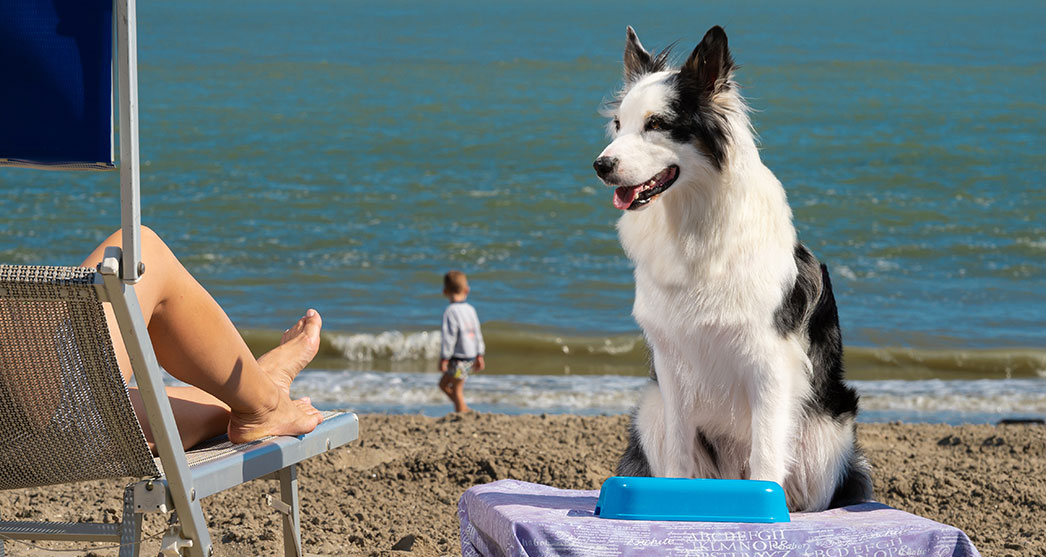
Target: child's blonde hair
[[455, 282]]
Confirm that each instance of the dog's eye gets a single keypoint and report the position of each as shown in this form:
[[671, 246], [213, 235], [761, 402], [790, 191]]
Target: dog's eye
[[617, 125], [655, 124]]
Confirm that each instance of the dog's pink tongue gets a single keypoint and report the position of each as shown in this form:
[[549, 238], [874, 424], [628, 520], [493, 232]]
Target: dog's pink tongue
[[624, 196]]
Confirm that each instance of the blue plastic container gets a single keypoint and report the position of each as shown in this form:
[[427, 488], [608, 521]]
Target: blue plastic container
[[700, 500]]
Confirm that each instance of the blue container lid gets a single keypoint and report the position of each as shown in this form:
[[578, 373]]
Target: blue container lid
[[702, 500]]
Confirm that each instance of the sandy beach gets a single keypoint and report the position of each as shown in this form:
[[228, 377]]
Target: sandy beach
[[398, 486]]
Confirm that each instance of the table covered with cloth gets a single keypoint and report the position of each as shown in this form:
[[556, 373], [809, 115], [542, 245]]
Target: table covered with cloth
[[510, 518]]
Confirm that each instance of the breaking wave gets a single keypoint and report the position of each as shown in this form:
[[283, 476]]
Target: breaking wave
[[530, 350]]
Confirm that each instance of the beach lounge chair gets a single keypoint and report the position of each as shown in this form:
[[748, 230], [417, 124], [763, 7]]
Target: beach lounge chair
[[65, 415]]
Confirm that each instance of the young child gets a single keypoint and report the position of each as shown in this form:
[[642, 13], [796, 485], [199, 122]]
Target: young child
[[461, 344]]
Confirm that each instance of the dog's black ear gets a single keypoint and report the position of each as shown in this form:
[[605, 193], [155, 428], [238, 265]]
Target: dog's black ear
[[710, 64], [638, 61]]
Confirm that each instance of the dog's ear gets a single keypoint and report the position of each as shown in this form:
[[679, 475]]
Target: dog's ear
[[710, 64], [638, 61]]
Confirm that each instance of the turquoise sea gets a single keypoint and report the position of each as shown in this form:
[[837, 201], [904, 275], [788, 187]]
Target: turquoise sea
[[343, 155]]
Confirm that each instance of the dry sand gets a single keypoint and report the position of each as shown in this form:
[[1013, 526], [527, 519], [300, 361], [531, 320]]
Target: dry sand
[[401, 482]]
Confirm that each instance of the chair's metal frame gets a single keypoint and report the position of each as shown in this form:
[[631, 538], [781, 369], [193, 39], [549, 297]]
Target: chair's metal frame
[[125, 68], [181, 487]]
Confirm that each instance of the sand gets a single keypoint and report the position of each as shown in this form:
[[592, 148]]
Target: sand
[[401, 482]]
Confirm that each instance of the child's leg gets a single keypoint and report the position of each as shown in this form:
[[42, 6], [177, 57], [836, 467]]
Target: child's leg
[[458, 395], [445, 382], [195, 341], [454, 388]]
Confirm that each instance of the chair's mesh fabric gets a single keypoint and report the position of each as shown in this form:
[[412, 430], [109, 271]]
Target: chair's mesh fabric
[[64, 411]]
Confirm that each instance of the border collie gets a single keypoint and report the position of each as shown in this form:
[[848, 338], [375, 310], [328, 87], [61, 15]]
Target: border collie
[[747, 376]]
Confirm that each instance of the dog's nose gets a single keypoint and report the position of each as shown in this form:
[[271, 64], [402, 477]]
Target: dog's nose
[[604, 166]]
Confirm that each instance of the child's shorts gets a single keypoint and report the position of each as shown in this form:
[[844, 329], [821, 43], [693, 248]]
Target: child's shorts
[[459, 369]]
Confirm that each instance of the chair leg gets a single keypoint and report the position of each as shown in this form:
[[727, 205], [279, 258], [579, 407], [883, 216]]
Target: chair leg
[[130, 526], [291, 518]]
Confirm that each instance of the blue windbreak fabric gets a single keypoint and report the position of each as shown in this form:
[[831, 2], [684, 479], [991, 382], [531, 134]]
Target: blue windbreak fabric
[[56, 83]]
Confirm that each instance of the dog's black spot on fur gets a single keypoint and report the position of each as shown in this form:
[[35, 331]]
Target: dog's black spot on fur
[[633, 462], [705, 74], [855, 488], [807, 287], [701, 126], [830, 393], [856, 485], [809, 307], [709, 448]]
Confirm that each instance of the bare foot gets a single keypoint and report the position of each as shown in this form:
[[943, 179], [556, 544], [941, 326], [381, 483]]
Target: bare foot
[[289, 417], [297, 348], [282, 364]]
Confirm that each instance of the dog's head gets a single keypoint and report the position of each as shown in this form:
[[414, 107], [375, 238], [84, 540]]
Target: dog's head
[[668, 125]]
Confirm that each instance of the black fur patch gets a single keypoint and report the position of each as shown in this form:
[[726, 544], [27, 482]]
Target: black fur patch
[[634, 461], [702, 126], [705, 74], [810, 307], [856, 485], [639, 62], [807, 288], [709, 448], [831, 395]]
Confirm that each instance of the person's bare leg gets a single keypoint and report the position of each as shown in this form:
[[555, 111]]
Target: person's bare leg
[[199, 415], [195, 341], [458, 396], [445, 386]]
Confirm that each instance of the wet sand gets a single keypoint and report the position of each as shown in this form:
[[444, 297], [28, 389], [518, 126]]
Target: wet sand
[[401, 482]]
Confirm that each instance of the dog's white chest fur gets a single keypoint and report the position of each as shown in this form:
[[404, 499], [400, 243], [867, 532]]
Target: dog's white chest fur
[[707, 282], [711, 258]]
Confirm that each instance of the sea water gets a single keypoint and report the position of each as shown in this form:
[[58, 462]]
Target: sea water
[[343, 155]]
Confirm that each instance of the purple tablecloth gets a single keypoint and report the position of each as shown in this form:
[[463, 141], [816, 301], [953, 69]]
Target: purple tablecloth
[[510, 517]]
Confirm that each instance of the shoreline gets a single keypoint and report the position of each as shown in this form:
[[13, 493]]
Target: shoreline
[[530, 349], [985, 401], [403, 478]]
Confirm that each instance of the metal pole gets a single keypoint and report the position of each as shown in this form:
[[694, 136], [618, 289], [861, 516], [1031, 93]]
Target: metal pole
[[130, 202]]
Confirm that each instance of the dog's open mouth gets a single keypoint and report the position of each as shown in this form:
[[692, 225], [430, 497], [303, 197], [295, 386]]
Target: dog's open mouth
[[634, 197]]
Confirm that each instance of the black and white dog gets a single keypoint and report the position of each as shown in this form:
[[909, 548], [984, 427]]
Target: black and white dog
[[747, 378]]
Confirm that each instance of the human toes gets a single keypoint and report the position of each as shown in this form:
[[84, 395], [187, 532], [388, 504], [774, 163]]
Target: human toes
[[293, 331], [305, 405], [309, 326]]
